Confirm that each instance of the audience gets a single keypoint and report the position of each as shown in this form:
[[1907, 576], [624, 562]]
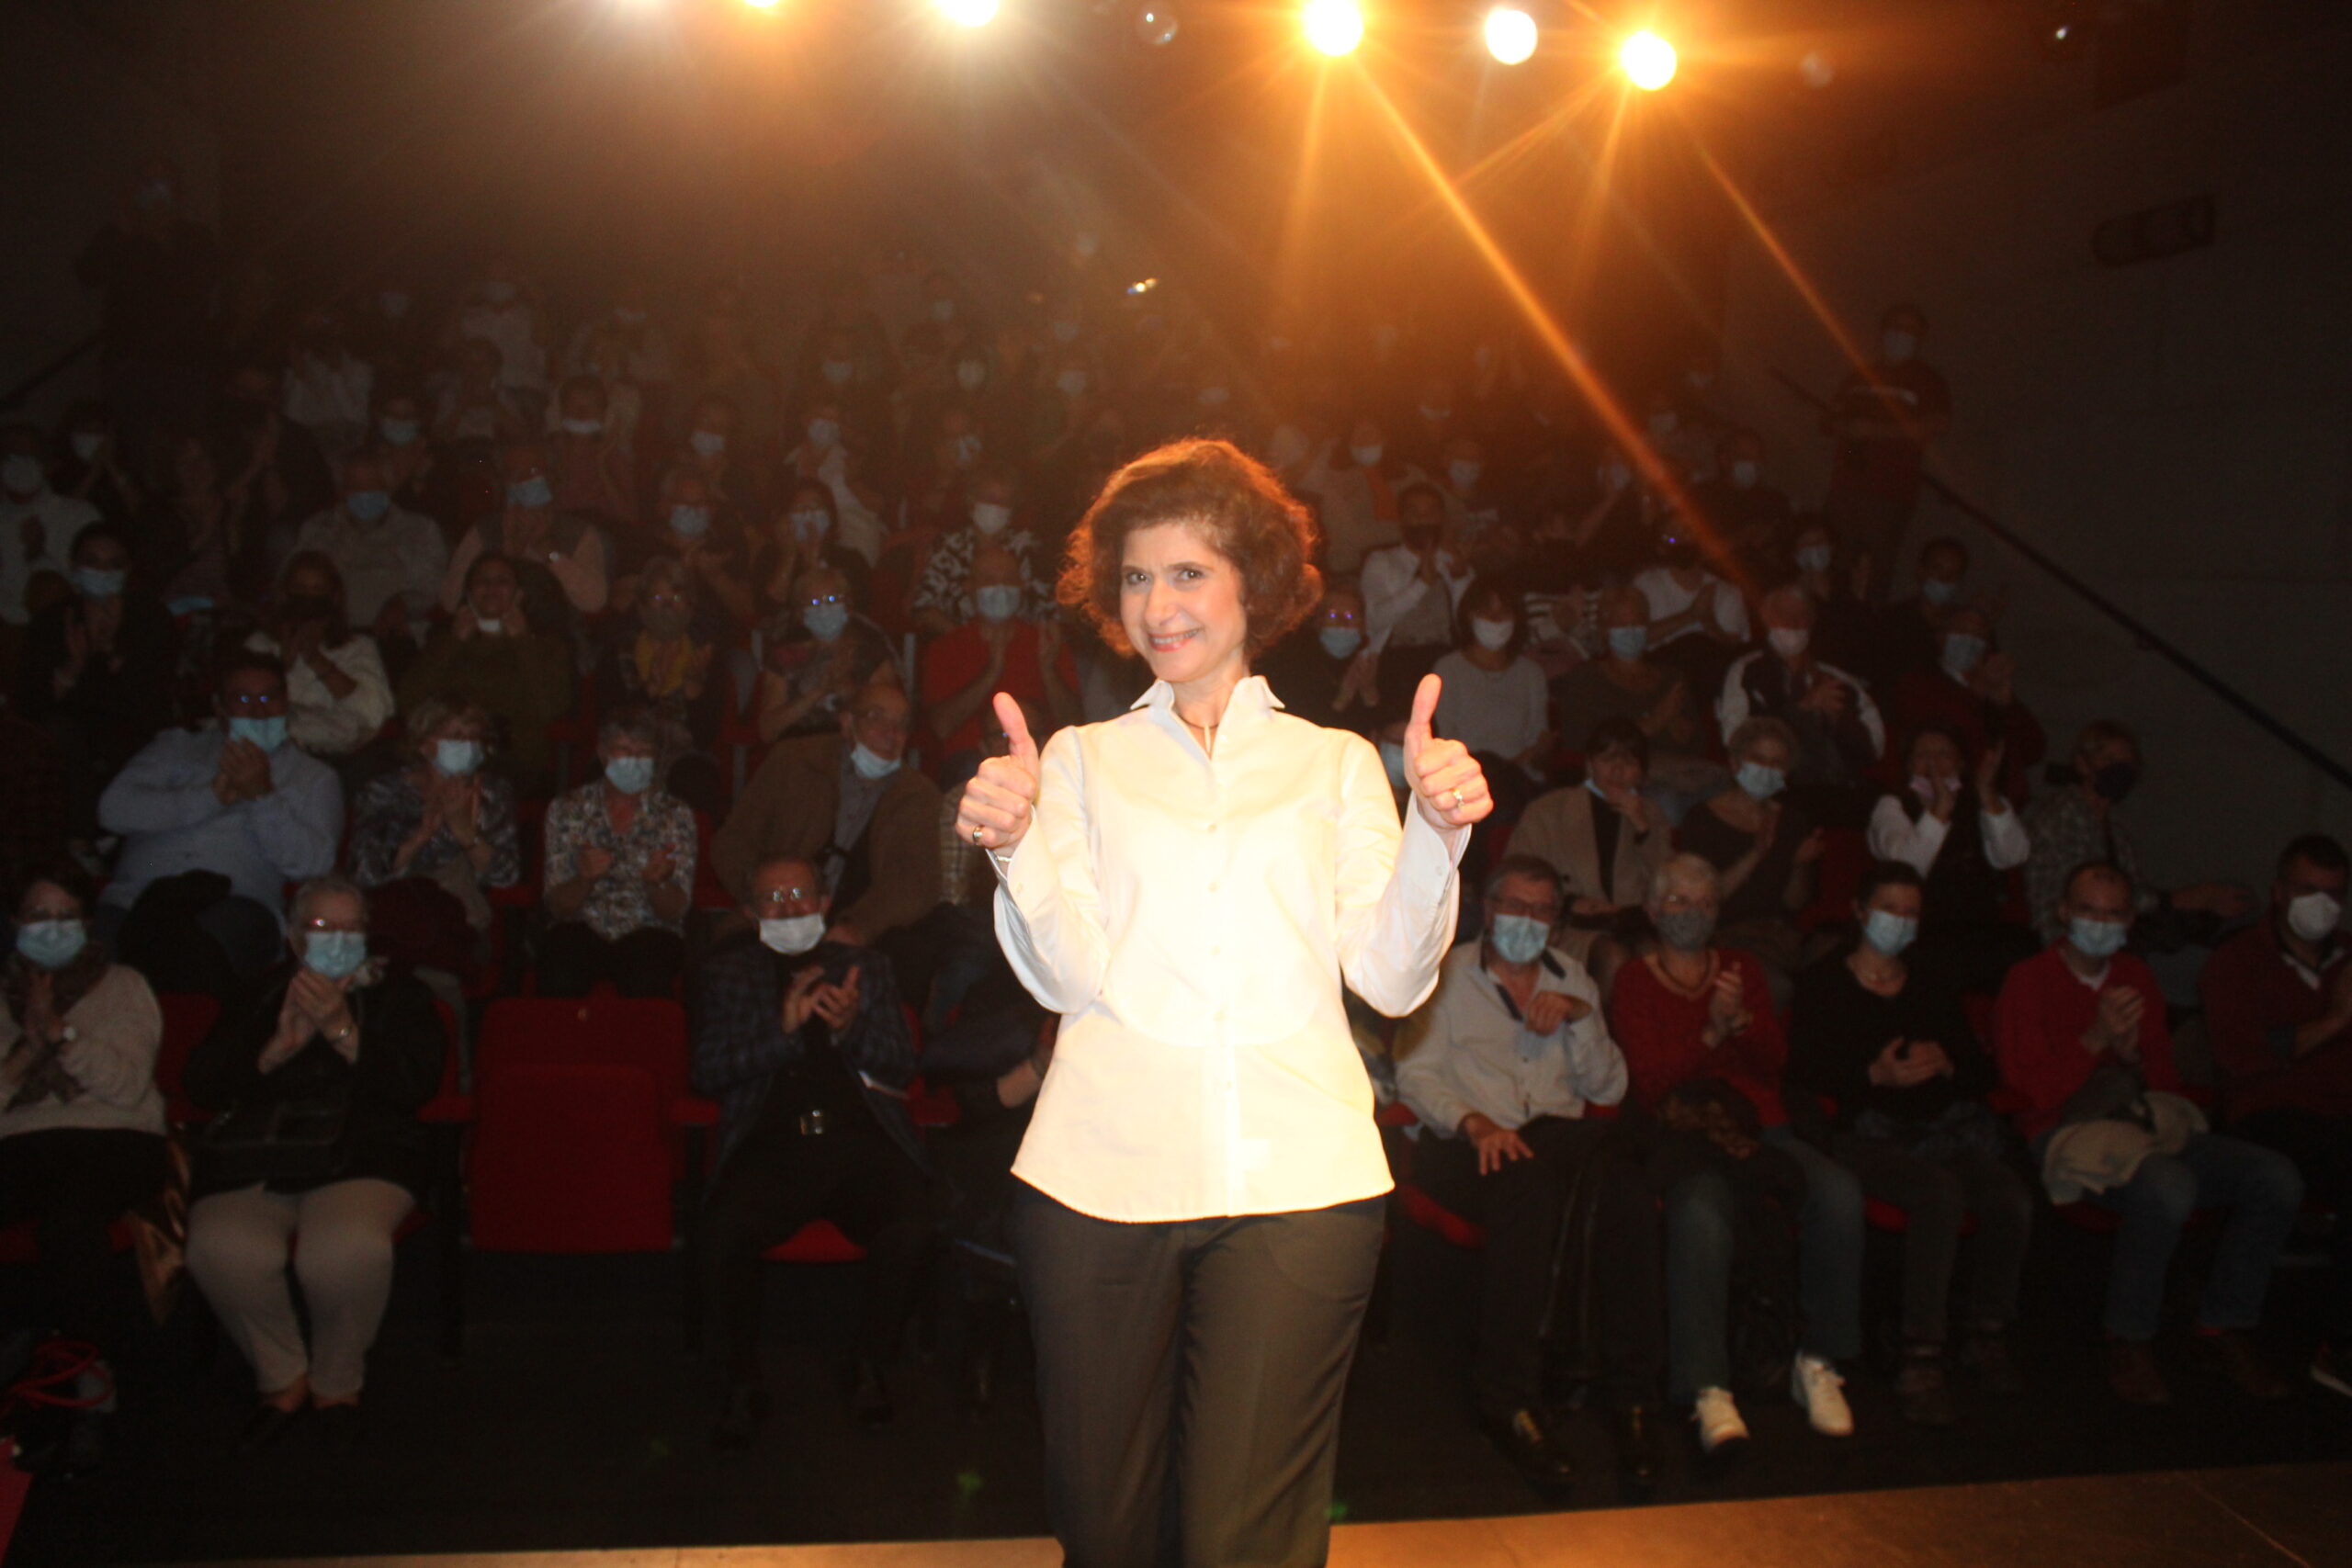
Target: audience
[[1883, 418], [801, 1039], [1766, 850], [391, 558], [1971, 692], [1413, 591], [1605, 841], [214, 823], [441, 828], [1889, 1047], [620, 872], [994, 651], [314, 1158], [1839, 735], [492, 653], [38, 526], [1959, 832], [2084, 1045], [1328, 678], [818, 652], [97, 669], [1494, 701], [1499, 1064], [564, 548], [337, 697]]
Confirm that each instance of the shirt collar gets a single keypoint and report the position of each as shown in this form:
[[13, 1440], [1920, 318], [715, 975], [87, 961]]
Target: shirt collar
[[1251, 702]]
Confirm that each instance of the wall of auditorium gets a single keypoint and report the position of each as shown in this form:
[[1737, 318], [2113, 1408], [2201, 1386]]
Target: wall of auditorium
[[79, 111], [2179, 431]]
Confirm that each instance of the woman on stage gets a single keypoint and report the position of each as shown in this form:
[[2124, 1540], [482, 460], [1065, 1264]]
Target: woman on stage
[[1189, 884]]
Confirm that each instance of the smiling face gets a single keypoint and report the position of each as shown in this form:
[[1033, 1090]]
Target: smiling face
[[1181, 605]]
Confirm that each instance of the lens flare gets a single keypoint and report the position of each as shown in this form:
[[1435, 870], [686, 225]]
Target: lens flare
[[1333, 27], [968, 13], [1648, 59], [1511, 34]]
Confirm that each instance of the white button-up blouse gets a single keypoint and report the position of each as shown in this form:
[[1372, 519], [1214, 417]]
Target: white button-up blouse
[[1192, 918]]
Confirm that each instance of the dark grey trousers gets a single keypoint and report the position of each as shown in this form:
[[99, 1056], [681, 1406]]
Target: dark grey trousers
[[1190, 1374]]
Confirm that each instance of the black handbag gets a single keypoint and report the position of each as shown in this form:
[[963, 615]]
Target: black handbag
[[297, 1142]]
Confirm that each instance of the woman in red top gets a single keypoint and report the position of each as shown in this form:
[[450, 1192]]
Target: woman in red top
[[1695, 1020]]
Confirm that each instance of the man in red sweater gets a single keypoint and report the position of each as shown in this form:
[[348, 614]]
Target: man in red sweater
[[2279, 1002], [1972, 691], [1694, 1011], [2085, 1004]]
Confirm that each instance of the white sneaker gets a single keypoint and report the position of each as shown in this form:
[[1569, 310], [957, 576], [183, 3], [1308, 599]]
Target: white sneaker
[[1820, 1392], [1718, 1420]]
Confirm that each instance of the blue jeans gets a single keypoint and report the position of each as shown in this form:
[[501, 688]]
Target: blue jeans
[[2263, 1193], [1700, 1233]]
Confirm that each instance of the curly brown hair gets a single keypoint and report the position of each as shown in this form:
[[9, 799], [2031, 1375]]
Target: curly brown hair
[[1234, 500]]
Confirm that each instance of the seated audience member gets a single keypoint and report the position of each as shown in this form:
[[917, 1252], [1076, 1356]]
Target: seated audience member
[[2083, 1042], [687, 528], [1845, 625], [413, 473], [92, 465], [2278, 1006], [1499, 1064], [1890, 1046], [1751, 520], [1962, 836], [825, 463], [1495, 701], [1971, 692], [1605, 841], [391, 558], [1910, 636], [804, 537], [720, 449], [660, 654], [327, 386], [1766, 851], [37, 524], [194, 537], [441, 822], [847, 804], [1703, 1050], [943, 599], [490, 653], [1623, 682], [314, 1158], [1322, 671], [2076, 823], [1696, 619], [1412, 589], [817, 653], [1839, 733], [561, 546], [620, 872], [588, 459], [1360, 485], [478, 409], [214, 823], [994, 651], [97, 669], [81, 1120], [1473, 511], [337, 698], [797, 1035]]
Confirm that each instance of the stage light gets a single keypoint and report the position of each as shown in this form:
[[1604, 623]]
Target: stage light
[[1511, 34], [1156, 24], [1334, 26], [1647, 61], [968, 13], [1817, 68], [761, 5]]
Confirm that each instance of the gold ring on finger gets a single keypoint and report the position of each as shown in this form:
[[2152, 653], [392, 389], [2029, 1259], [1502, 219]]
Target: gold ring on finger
[[1457, 800], [976, 834]]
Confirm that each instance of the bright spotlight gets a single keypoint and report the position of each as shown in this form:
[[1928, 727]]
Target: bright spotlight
[[1648, 61], [1334, 26], [968, 13], [1511, 34], [761, 5]]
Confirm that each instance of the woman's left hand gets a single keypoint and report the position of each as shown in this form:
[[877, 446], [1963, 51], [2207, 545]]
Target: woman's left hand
[[1448, 785]]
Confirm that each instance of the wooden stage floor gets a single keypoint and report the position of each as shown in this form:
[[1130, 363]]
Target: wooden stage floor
[[2267, 1516]]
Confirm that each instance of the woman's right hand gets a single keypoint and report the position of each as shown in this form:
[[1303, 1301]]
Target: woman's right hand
[[1000, 801]]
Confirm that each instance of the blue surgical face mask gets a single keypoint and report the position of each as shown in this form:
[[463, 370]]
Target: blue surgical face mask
[[1685, 931], [457, 757], [1519, 939], [334, 956], [1940, 592], [706, 443], [690, 522], [367, 504], [825, 622], [1340, 642], [401, 432], [870, 764], [269, 734], [824, 431], [998, 601], [533, 492], [1072, 383], [1629, 642], [1761, 782], [1963, 651], [1464, 473], [583, 427], [1392, 757], [93, 583], [51, 944], [630, 776], [1815, 558], [2097, 939], [1889, 933], [811, 523]]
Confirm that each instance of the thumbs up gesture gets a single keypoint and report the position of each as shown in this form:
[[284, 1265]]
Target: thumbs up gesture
[[1449, 787], [1002, 796]]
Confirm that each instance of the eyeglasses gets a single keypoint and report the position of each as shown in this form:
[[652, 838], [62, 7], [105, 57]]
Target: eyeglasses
[[326, 925], [1543, 911], [668, 600], [785, 896], [251, 702], [812, 602], [881, 718]]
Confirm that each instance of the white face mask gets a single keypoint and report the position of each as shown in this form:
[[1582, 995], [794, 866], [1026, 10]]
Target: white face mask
[[1789, 642], [1491, 634], [1464, 472], [2313, 916], [796, 934], [990, 517], [1899, 346], [1367, 456], [871, 764], [490, 624]]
